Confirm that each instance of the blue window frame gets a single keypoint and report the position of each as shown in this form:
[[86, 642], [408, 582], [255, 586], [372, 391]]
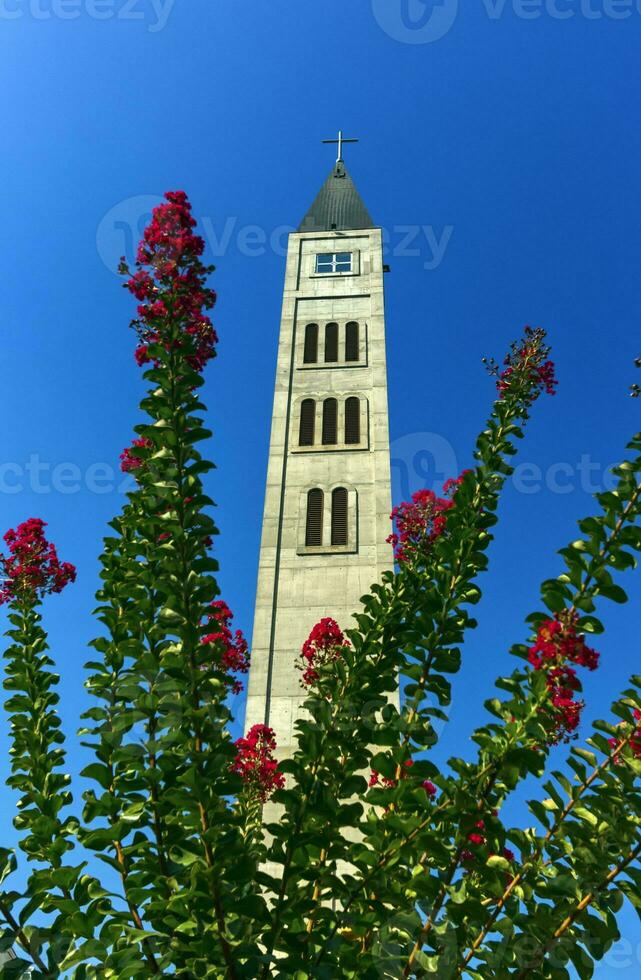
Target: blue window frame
[[331, 263]]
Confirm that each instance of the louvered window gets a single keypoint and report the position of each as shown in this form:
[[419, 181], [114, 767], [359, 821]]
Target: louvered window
[[330, 413], [307, 419], [352, 421], [351, 341], [331, 343], [310, 354], [339, 516], [314, 525]]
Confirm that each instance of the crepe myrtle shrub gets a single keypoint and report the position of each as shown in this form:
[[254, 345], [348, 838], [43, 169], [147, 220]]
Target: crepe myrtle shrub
[[186, 852]]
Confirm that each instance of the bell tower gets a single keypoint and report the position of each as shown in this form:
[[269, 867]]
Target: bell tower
[[328, 498]]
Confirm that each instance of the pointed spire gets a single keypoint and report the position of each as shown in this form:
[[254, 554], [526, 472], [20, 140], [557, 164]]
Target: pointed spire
[[338, 206]]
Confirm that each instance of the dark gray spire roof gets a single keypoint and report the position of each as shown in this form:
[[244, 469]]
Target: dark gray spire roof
[[338, 205]]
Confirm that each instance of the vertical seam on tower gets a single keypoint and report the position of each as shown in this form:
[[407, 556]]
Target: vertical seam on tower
[[279, 537]]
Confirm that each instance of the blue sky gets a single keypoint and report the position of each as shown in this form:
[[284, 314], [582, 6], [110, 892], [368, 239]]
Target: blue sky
[[501, 151]]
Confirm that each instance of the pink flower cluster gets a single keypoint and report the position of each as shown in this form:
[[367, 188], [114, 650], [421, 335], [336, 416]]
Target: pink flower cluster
[[130, 461], [476, 836], [530, 354], [234, 654], [557, 646], [170, 286], [635, 740], [32, 568], [255, 763], [420, 521], [325, 643]]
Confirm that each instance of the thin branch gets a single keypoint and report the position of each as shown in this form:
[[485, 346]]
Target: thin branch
[[22, 939], [381, 864], [538, 852], [579, 908]]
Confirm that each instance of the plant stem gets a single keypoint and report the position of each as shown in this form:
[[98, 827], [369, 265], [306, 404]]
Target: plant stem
[[516, 880], [579, 908], [22, 939]]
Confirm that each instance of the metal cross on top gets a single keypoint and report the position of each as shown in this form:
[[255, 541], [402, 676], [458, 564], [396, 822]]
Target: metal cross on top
[[341, 139]]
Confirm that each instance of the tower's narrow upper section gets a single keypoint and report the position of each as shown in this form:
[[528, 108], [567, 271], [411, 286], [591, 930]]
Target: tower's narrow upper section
[[338, 205]]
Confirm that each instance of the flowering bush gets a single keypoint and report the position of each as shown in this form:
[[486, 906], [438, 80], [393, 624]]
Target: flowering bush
[[170, 285], [325, 643], [130, 459], [32, 568], [420, 521], [231, 648], [255, 762], [374, 861], [558, 644], [528, 358]]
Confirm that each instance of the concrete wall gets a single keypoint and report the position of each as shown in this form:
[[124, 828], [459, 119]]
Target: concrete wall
[[298, 586]]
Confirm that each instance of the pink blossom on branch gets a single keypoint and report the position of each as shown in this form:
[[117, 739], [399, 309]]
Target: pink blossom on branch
[[32, 568], [131, 461], [255, 763], [421, 521], [325, 644], [557, 645], [231, 648], [170, 286], [528, 361]]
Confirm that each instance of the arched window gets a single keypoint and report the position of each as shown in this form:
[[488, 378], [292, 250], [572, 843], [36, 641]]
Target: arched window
[[352, 421], [307, 420], [331, 343], [310, 354], [351, 341], [339, 516], [314, 524], [330, 414]]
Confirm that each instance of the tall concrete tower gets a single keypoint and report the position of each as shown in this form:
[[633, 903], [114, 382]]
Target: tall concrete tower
[[327, 502]]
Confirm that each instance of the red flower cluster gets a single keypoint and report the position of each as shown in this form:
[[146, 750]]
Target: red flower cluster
[[475, 837], [557, 645], [529, 355], [32, 568], [635, 741], [325, 643], [130, 462], [255, 763], [171, 289], [420, 521], [375, 779], [234, 655]]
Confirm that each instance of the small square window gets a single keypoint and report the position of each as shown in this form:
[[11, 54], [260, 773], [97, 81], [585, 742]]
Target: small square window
[[324, 263], [333, 262]]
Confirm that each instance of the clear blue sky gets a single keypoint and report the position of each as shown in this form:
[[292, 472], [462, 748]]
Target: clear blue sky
[[509, 149]]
